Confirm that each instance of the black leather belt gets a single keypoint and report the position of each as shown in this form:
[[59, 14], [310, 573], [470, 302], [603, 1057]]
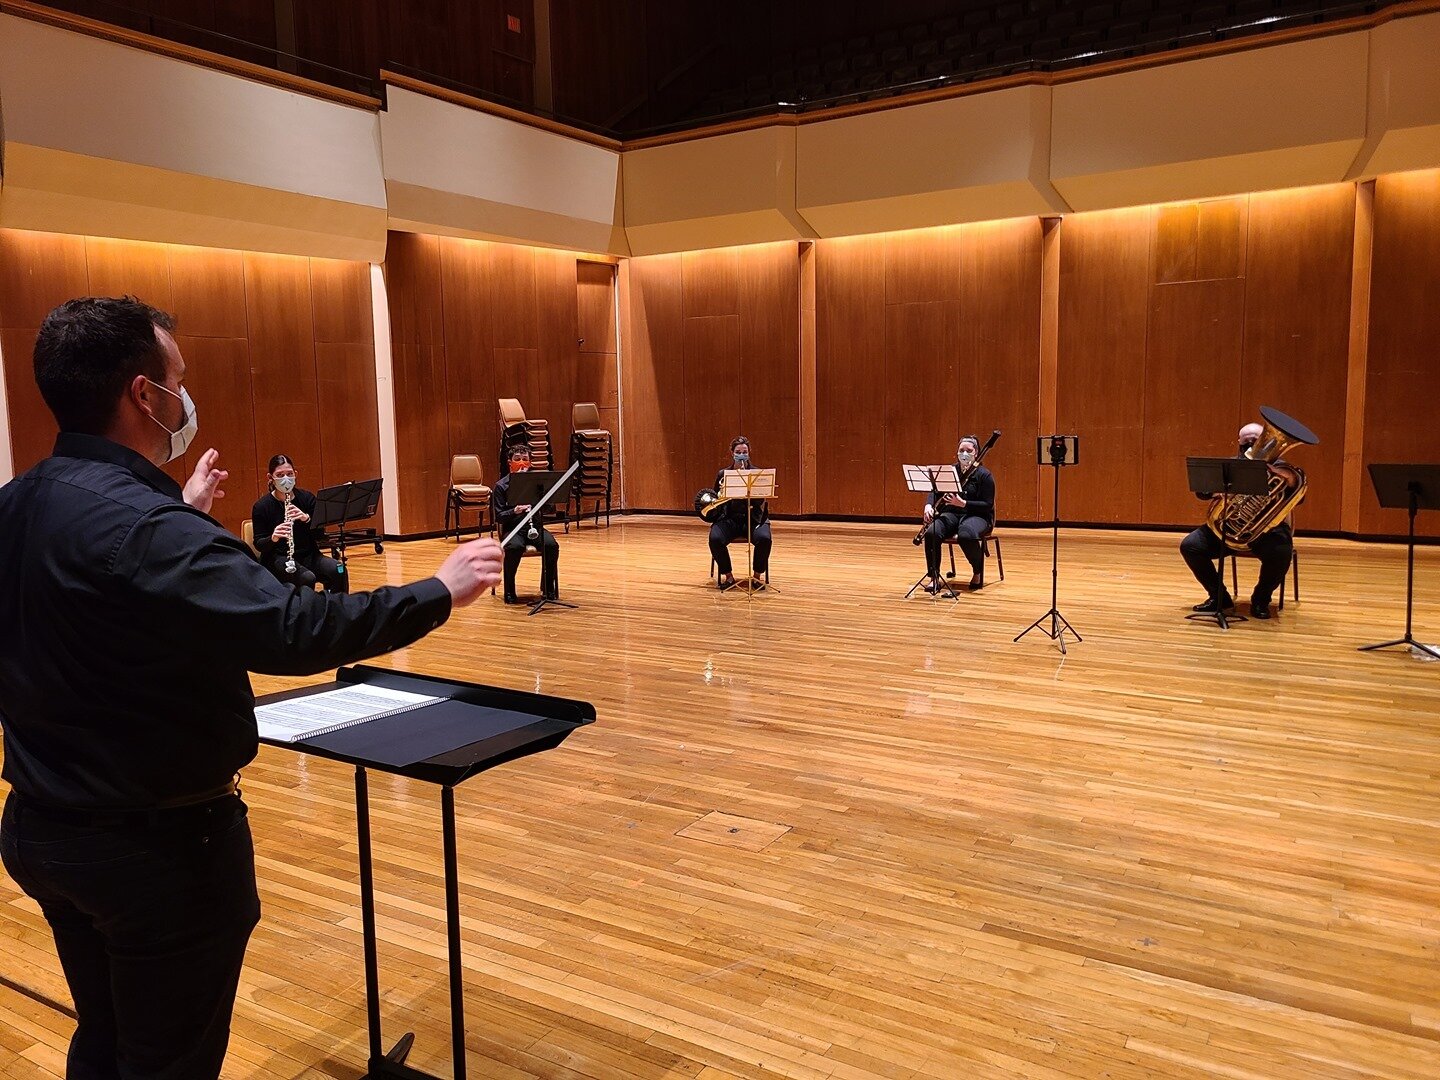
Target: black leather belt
[[131, 817]]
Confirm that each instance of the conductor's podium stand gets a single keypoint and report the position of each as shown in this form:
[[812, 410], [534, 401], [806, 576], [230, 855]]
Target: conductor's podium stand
[[468, 730]]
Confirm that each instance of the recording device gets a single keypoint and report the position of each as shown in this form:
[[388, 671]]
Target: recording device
[[1057, 450]]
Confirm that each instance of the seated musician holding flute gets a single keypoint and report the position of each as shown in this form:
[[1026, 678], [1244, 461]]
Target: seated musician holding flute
[[967, 516]]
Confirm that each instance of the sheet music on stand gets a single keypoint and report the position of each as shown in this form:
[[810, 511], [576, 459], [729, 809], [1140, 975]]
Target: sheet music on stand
[[927, 478]]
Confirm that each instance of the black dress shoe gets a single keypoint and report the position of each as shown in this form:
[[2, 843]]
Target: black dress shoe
[[976, 583], [1215, 604], [1259, 609], [552, 592], [725, 583], [510, 597]]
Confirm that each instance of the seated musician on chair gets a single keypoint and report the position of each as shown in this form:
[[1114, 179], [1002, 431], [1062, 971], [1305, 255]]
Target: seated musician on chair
[[731, 523], [1203, 547], [967, 516], [282, 515], [535, 536]]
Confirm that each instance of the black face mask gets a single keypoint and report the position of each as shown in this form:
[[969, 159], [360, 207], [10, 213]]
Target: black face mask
[[1244, 446]]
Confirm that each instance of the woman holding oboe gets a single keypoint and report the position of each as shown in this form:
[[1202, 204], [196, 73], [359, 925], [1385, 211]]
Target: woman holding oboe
[[281, 519]]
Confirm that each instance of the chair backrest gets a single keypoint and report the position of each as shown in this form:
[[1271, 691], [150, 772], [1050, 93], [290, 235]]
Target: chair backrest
[[585, 416], [247, 533], [465, 469], [510, 411]]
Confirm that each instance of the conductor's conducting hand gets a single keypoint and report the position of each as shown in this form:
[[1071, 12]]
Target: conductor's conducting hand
[[470, 570]]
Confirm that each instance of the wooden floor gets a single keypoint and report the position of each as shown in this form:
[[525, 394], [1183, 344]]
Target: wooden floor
[[1174, 853]]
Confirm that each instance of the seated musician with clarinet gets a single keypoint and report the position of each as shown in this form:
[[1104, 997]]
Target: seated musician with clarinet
[[1260, 523], [535, 536], [729, 519], [967, 516], [281, 520]]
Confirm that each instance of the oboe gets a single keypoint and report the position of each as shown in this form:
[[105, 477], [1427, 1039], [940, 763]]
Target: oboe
[[290, 540]]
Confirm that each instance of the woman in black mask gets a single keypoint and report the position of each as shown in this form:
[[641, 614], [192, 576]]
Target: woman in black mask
[[731, 522]]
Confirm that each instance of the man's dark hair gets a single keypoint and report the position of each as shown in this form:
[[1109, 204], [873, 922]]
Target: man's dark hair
[[519, 451], [88, 352]]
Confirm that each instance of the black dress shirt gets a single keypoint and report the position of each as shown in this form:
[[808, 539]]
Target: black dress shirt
[[130, 623], [269, 512], [978, 491]]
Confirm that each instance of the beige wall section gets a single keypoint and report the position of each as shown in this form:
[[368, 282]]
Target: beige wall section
[[713, 192], [1278, 117], [1404, 98], [154, 148], [975, 158], [462, 172]]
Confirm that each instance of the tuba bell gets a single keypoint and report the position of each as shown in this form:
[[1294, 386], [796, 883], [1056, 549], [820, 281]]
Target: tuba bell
[[1240, 519]]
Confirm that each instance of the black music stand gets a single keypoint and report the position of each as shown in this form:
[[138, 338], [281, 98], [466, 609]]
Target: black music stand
[[475, 728], [354, 500], [933, 480], [1226, 476], [531, 488], [1415, 488]]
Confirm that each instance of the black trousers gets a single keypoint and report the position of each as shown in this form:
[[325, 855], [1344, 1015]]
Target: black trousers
[[549, 561], [1202, 547], [725, 530], [151, 917], [967, 530], [311, 567]]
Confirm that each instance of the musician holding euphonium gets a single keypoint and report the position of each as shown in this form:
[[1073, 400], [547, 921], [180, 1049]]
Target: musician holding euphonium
[[732, 517], [967, 516], [1259, 523], [535, 535], [281, 520]]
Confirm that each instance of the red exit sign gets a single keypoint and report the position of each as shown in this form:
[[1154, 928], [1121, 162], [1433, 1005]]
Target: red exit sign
[[512, 23]]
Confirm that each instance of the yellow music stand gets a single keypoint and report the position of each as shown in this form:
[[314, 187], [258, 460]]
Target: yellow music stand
[[748, 484]]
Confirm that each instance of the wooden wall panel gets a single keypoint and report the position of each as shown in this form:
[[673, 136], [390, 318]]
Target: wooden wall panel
[[1404, 360], [1100, 379], [692, 382], [850, 387], [121, 267], [712, 407], [1297, 320], [998, 350], [653, 377], [769, 372], [503, 323], [282, 359], [38, 272], [1192, 389], [340, 301], [218, 378], [922, 381], [208, 286]]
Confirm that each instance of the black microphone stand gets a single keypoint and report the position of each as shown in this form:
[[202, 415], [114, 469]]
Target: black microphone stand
[[1058, 623]]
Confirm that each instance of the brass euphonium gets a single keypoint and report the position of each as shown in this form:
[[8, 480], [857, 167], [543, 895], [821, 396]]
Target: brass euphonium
[[1240, 519]]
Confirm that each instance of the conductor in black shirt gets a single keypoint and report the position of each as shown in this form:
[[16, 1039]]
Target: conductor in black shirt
[[507, 516], [277, 520], [733, 520], [125, 700], [967, 516]]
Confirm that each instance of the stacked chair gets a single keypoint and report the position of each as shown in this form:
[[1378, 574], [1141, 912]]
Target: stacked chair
[[592, 446], [467, 492], [516, 430]]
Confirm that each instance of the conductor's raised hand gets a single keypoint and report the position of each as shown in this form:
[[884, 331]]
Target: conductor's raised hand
[[471, 569], [203, 487]]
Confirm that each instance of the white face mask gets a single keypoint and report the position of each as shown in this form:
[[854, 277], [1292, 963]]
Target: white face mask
[[742, 461], [285, 484], [966, 457], [180, 440]]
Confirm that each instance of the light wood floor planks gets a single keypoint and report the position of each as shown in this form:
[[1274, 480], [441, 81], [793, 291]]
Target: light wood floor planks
[[1175, 853]]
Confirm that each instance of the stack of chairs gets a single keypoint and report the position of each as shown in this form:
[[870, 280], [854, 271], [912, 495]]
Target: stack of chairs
[[593, 447], [516, 430]]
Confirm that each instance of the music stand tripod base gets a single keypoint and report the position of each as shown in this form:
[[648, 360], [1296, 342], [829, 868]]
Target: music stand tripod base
[[1413, 488], [1055, 631], [545, 602]]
